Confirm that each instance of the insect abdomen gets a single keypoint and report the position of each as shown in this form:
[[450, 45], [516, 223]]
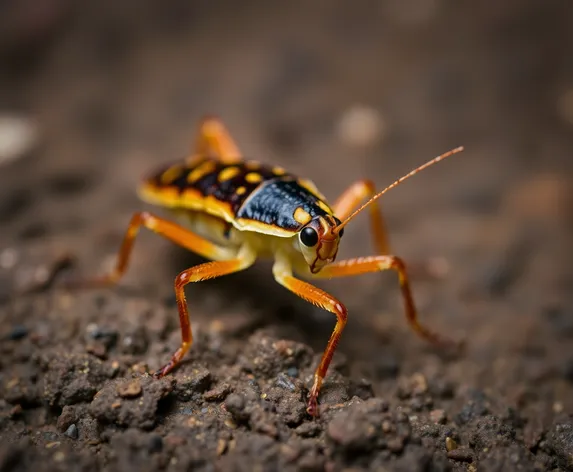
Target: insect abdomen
[[184, 185]]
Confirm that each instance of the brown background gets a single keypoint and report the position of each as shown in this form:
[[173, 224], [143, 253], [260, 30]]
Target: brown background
[[114, 90]]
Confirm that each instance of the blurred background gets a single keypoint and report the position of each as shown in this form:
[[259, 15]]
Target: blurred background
[[95, 94]]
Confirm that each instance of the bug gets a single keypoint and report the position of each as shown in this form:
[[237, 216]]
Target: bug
[[235, 211]]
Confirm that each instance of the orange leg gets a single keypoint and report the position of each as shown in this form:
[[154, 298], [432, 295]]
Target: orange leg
[[179, 235], [166, 228], [365, 265], [215, 140], [318, 297], [347, 203], [351, 198], [209, 270]]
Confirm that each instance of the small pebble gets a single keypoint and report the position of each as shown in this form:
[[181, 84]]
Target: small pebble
[[451, 444], [218, 393], [97, 349], [135, 342], [229, 423], [461, 454], [438, 416], [130, 389], [221, 447], [8, 258], [50, 436], [283, 381], [100, 334], [72, 431], [66, 418], [292, 372], [419, 384], [236, 404], [17, 136], [386, 426]]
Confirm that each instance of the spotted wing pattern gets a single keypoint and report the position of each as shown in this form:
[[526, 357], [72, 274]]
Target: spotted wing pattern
[[250, 195]]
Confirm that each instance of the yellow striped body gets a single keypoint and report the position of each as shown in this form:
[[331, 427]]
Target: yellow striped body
[[246, 196]]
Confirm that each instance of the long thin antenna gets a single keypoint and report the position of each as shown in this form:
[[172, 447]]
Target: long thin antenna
[[398, 182]]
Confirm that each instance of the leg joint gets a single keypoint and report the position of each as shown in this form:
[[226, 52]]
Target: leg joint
[[389, 262], [182, 278], [142, 218], [369, 185], [341, 312], [398, 264]]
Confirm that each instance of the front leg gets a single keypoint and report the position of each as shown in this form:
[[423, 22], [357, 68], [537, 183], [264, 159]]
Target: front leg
[[209, 270], [283, 275], [349, 201], [169, 230], [365, 265]]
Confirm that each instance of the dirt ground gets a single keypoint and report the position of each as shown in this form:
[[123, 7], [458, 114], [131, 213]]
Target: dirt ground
[[111, 90]]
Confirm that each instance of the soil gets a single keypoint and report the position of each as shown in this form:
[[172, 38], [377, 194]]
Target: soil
[[113, 90]]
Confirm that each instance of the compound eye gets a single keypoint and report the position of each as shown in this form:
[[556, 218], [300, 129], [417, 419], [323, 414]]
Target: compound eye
[[340, 233], [309, 236]]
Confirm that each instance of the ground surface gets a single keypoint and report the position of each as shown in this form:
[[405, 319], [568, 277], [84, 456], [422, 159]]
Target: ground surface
[[114, 92]]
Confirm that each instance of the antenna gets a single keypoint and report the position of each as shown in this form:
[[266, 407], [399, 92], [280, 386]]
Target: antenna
[[398, 182]]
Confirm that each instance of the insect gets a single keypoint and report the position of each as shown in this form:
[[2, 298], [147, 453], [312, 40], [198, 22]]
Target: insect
[[235, 211]]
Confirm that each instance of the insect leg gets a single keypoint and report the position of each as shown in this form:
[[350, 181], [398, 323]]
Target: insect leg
[[365, 265], [351, 198], [215, 139], [310, 293], [208, 270], [165, 228]]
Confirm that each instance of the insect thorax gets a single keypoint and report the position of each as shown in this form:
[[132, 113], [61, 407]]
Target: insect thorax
[[283, 202]]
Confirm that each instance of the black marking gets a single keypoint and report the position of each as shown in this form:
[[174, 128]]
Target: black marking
[[276, 202]]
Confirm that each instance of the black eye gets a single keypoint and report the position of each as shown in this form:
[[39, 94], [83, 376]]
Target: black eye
[[308, 237], [341, 232]]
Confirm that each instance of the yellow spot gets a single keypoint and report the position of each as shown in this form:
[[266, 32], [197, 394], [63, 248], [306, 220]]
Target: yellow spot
[[228, 173], [323, 206], [302, 216], [241, 190], [191, 198], [171, 174], [278, 171], [253, 177], [201, 171]]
